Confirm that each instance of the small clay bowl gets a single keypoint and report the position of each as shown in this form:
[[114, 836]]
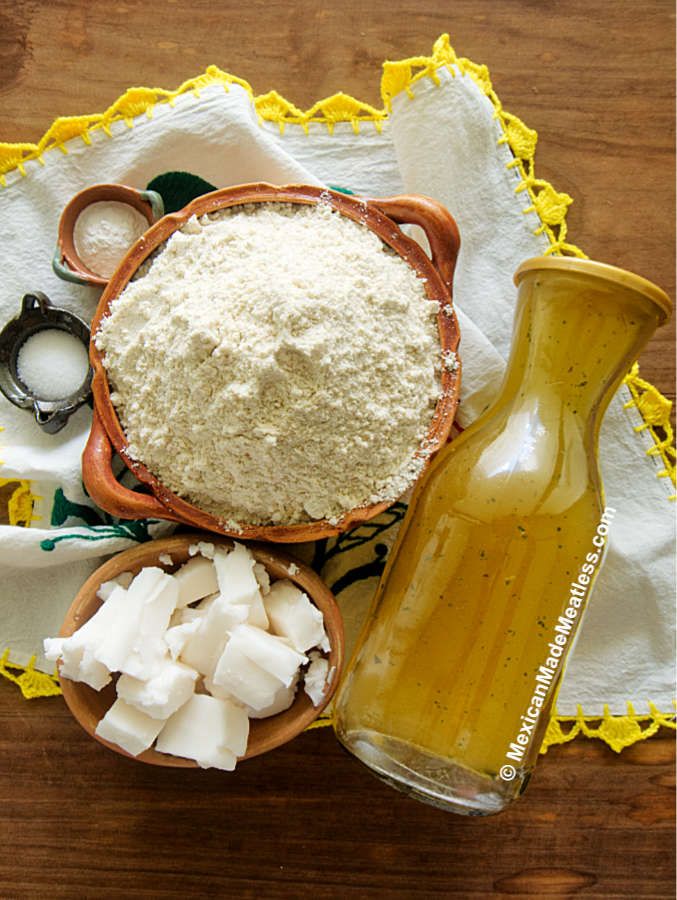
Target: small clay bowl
[[382, 216], [66, 262], [89, 706]]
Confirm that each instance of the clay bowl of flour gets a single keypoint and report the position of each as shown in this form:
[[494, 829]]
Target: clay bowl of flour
[[275, 363]]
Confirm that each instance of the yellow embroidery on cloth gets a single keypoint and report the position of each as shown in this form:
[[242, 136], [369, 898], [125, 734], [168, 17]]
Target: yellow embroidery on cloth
[[549, 205], [20, 503]]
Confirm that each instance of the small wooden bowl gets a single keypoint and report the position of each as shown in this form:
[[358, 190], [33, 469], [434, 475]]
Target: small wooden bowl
[[66, 262], [89, 706], [381, 216]]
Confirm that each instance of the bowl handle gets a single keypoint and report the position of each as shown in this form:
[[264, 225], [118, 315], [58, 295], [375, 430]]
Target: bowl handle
[[437, 222], [103, 487]]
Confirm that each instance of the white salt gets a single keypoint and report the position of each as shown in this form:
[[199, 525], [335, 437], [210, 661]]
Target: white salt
[[52, 364]]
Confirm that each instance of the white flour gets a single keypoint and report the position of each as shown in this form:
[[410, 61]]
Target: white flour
[[104, 232], [275, 364]]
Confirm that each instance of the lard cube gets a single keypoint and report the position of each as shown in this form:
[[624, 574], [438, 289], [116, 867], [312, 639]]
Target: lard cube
[[78, 652], [243, 679], [162, 694], [210, 687], [293, 616], [238, 584], [273, 654], [77, 662], [177, 636], [53, 648], [203, 648], [206, 548], [315, 678], [106, 588], [187, 614], [262, 576], [97, 628], [197, 579], [129, 728], [282, 700], [213, 732], [92, 672], [134, 642]]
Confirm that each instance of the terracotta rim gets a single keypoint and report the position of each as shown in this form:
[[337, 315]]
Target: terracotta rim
[[88, 706], [382, 217]]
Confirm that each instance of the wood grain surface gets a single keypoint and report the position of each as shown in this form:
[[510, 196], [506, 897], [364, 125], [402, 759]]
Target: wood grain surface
[[596, 79]]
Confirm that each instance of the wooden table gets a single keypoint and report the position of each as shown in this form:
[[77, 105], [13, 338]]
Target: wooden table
[[596, 79]]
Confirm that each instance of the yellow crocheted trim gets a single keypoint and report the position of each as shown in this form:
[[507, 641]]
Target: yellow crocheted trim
[[271, 107], [618, 732], [550, 205], [655, 410], [31, 682]]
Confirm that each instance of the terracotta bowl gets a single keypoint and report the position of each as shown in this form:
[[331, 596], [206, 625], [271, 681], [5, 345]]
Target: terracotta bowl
[[89, 706], [382, 217], [66, 263]]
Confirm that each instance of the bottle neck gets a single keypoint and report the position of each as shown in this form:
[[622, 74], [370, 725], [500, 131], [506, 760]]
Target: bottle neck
[[575, 338]]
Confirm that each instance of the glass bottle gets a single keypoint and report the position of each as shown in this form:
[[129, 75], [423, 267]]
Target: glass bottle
[[449, 690]]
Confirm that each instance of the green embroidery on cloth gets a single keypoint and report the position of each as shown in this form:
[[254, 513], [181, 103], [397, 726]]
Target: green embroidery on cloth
[[96, 524]]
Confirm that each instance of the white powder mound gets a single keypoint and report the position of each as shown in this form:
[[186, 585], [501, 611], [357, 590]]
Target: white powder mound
[[104, 232], [275, 364]]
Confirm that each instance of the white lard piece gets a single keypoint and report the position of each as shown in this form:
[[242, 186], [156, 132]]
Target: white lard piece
[[203, 648], [282, 700], [196, 579], [236, 675], [211, 731], [77, 662], [77, 652], [294, 617], [176, 636], [206, 548], [106, 588], [161, 695], [134, 643], [128, 727], [237, 582], [191, 613], [271, 653], [262, 576], [316, 677]]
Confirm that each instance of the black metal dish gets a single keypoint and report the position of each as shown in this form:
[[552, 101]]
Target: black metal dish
[[38, 314]]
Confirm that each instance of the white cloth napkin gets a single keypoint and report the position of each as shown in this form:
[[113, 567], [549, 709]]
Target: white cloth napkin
[[444, 141]]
